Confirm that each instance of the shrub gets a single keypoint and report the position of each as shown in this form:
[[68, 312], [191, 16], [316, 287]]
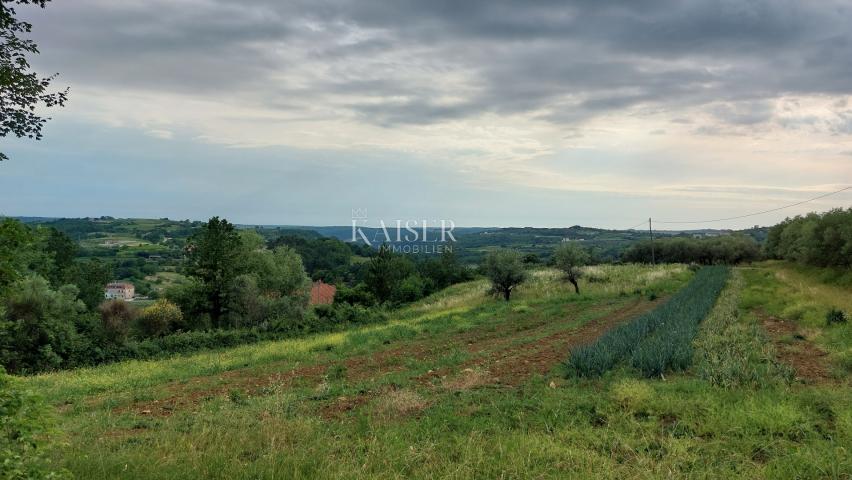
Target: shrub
[[37, 331], [410, 289], [359, 294], [158, 319], [116, 319], [22, 431], [835, 316]]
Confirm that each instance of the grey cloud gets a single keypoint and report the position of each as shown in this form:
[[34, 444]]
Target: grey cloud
[[565, 62]]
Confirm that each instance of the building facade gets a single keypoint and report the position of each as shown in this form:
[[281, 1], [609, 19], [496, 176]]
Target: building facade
[[119, 291]]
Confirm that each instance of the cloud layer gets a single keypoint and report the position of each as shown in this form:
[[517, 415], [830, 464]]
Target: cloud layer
[[632, 95]]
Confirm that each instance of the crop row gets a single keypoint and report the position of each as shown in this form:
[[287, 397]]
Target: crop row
[[656, 341]]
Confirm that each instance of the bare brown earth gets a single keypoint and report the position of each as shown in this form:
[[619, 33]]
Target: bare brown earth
[[504, 355], [794, 349]]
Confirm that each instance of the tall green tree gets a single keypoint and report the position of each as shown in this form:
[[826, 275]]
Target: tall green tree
[[37, 331], [570, 257], [91, 276], [21, 90], [213, 257], [385, 273], [62, 251], [505, 268]]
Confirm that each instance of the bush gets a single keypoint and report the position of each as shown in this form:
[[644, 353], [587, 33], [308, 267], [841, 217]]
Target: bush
[[158, 319], [116, 319], [37, 331], [22, 433], [357, 295], [835, 316], [822, 240], [725, 250]]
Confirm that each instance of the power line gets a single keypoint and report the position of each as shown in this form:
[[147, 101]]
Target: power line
[[637, 225], [758, 213]]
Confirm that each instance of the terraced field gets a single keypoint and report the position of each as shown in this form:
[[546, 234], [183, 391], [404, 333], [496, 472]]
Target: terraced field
[[462, 385]]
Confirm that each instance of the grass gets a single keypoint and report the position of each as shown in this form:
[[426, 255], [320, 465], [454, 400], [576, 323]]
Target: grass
[[802, 295], [732, 350], [453, 387]]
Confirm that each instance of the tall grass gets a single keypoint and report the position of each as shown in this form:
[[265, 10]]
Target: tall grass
[[659, 340], [731, 350]]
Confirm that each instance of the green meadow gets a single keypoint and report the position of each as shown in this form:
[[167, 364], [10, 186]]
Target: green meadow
[[464, 385]]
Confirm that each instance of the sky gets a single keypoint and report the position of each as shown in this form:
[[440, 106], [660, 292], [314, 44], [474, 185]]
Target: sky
[[482, 112]]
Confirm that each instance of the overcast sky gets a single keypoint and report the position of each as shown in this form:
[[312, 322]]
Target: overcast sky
[[484, 112]]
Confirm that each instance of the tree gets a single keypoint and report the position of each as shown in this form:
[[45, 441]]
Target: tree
[[62, 251], [159, 318], [91, 276], [213, 257], [17, 251], [38, 331], [569, 257], [279, 272], [116, 319], [21, 90], [385, 273], [505, 269]]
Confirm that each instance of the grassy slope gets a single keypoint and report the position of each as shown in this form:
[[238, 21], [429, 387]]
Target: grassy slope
[[450, 388]]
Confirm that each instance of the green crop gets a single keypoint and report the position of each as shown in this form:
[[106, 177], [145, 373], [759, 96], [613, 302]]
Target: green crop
[[659, 340]]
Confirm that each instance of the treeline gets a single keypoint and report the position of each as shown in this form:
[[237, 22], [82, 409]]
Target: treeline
[[240, 289], [727, 250], [818, 239], [53, 314]]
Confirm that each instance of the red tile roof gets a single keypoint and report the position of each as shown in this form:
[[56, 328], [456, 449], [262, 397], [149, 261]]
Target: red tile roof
[[322, 293]]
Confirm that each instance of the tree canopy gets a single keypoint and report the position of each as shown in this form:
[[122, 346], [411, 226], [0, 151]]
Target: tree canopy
[[21, 90], [569, 257], [505, 269]]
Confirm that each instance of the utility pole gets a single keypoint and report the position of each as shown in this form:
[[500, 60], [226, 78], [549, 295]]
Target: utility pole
[[651, 232]]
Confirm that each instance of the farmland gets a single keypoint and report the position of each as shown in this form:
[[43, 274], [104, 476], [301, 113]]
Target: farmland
[[462, 385]]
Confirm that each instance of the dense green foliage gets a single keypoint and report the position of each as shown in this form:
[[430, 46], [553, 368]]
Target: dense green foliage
[[23, 94], [569, 257], [727, 250], [818, 239], [659, 340], [23, 429], [213, 258], [37, 328], [327, 259], [238, 287], [505, 269]]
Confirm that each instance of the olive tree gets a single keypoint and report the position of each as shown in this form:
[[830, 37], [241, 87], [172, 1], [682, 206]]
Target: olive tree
[[505, 269], [570, 258]]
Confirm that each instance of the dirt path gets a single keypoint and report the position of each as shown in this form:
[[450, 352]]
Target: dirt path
[[808, 360], [539, 357], [507, 354], [508, 361]]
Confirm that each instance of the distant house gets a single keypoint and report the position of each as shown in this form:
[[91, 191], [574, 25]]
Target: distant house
[[322, 293], [119, 291]]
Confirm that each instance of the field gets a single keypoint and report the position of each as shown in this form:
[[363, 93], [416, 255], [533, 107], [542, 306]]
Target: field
[[463, 385]]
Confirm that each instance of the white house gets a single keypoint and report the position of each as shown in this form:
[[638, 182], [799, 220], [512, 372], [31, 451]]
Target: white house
[[119, 290]]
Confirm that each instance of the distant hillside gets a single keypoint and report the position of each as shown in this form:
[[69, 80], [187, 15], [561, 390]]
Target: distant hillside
[[471, 242]]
